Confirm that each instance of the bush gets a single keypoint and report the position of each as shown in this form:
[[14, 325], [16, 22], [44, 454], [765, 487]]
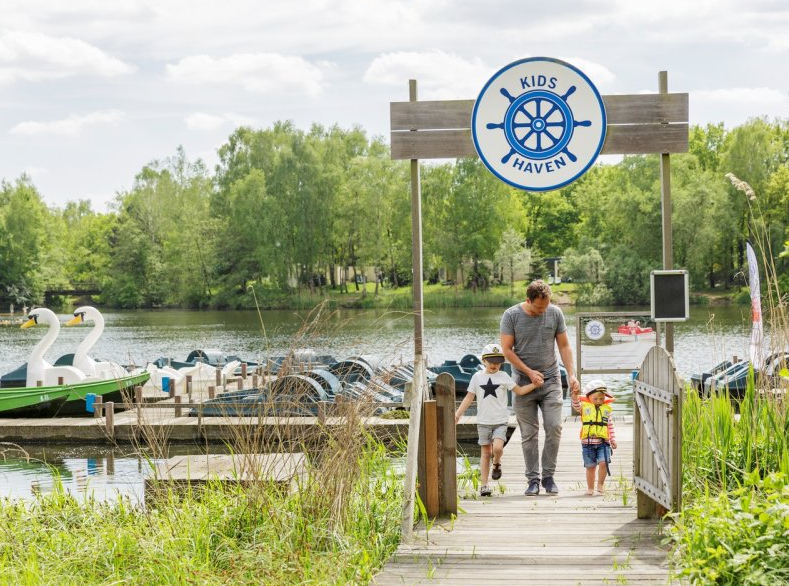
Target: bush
[[739, 538]]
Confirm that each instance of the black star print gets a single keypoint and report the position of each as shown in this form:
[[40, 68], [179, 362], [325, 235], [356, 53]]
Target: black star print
[[490, 388]]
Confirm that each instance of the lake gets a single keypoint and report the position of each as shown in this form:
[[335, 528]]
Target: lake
[[137, 337]]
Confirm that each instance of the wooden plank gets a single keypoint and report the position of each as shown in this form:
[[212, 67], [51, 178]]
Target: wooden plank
[[625, 139], [654, 392], [432, 144], [640, 139], [619, 109], [430, 115]]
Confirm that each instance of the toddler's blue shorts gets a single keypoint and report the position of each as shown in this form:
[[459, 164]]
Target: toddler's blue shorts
[[595, 454]]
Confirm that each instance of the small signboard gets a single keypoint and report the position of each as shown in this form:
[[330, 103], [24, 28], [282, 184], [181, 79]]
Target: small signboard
[[670, 298], [614, 342], [538, 124]]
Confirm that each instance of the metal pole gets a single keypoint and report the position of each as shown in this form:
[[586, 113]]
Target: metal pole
[[665, 204], [419, 387]]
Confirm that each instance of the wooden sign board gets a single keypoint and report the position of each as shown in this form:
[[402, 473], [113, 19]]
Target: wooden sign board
[[637, 124]]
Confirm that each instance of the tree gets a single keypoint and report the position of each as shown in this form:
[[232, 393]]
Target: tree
[[24, 242], [513, 256]]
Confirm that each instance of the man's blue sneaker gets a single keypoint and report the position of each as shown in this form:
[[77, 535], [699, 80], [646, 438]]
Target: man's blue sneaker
[[549, 485], [534, 488]]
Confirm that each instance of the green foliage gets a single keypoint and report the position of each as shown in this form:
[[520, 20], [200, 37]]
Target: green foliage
[[739, 538], [734, 523], [304, 212], [24, 241], [222, 534]]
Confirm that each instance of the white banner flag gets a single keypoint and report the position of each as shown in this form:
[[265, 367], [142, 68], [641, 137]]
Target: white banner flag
[[757, 331]]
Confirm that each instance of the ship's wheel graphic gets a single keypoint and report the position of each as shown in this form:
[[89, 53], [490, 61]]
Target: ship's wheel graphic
[[538, 124]]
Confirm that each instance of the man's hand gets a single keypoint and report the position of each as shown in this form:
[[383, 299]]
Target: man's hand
[[575, 386], [535, 376]]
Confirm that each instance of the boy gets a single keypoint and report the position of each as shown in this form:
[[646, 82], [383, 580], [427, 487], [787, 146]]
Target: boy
[[490, 386], [597, 432]]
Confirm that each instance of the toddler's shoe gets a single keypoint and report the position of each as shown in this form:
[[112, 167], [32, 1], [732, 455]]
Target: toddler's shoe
[[485, 491]]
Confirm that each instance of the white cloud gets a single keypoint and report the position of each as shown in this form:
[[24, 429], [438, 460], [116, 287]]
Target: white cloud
[[742, 95], [33, 56], [599, 74], [255, 72], [200, 121], [440, 75], [70, 126]]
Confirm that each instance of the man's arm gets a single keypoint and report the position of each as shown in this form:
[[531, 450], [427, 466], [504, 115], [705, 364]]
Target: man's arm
[[507, 343], [563, 342]]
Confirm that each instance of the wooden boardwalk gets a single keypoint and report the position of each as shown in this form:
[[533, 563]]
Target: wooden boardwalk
[[569, 539]]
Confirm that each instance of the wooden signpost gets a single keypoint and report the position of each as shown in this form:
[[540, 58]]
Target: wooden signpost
[[635, 124]]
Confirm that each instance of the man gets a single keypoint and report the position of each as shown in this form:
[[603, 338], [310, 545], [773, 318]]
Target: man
[[530, 331]]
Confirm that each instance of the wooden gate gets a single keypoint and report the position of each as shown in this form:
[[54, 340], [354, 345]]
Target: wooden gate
[[657, 435]]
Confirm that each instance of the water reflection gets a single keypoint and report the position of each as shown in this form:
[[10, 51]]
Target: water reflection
[[83, 471]]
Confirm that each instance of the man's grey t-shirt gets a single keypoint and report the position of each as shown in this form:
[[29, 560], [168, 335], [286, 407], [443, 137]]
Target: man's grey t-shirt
[[535, 337]]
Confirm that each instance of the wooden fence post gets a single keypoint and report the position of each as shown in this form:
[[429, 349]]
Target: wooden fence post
[[109, 418], [177, 406], [98, 406], [430, 481], [447, 446]]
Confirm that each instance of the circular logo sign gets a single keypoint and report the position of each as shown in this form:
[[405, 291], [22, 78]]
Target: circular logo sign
[[594, 329], [538, 124]]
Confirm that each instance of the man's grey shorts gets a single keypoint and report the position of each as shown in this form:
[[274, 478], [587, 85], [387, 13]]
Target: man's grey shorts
[[487, 433]]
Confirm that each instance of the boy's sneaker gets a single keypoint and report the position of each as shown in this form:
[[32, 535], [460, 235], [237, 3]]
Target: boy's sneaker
[[549, 485], [534, 488], [485, 491], [496, 474]]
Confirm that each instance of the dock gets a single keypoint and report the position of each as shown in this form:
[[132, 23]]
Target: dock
[[167, 418], [569, 539]]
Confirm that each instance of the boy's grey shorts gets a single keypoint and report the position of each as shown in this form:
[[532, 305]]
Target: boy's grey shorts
[[487, 433]]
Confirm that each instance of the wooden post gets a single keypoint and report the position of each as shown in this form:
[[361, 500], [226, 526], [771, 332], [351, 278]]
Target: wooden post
[[255, 381], [431, 458], [60, 380], [244, 370], [420, 381], [189, 387], [39, 383], [211, 390], [109, 419], [447, 446], [218, 377], [171, 388], [676, 452], [240, 383], [138, 400], [98, 406], [665, 206], [178, 406]]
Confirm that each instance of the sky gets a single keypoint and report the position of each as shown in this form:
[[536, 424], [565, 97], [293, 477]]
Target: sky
[[91, 91]]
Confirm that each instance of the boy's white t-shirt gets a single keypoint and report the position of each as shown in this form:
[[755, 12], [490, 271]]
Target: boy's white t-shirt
[[491, 393]]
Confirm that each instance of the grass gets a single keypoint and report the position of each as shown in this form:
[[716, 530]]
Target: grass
[[435, 296], [223, 534]]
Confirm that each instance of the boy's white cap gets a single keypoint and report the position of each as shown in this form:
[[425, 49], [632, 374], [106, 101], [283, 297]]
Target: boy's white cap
[[596, 385], [492, 351]]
